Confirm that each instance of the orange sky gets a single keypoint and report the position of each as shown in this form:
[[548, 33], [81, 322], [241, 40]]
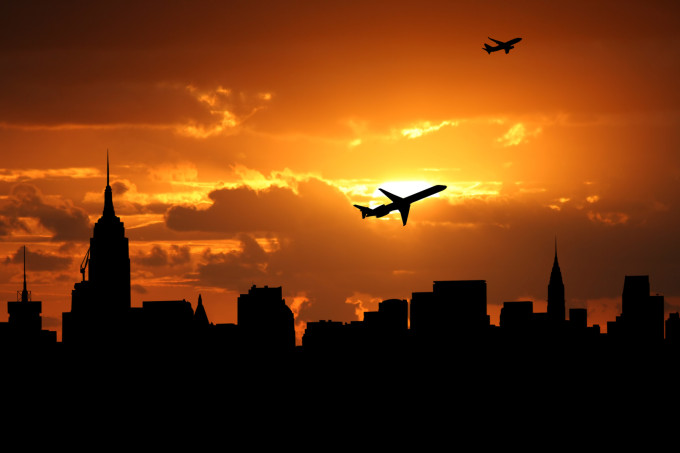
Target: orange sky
[[241, 135]]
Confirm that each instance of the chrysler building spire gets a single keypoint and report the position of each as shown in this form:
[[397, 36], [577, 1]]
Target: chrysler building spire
[[556, 308]]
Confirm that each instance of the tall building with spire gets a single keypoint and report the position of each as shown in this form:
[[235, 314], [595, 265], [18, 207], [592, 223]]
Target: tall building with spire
[[556, 293], [200, 316], [100, 305], [109, 267], [24, 326]]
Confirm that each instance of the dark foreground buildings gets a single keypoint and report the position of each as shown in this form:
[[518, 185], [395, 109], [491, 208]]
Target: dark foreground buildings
[[641, 321], [265, 323], [450, 320], [24, 326], [102, 317]]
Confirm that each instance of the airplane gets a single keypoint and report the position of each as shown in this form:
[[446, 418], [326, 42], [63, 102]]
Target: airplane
[[398, 203], [501, 45]]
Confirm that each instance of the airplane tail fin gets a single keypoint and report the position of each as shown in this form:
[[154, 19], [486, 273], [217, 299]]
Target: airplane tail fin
[[364, 210], [487, 48]]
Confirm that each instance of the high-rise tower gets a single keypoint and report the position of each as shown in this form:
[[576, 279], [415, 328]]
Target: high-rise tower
[[110, 257], [100, 306], [25, 321], [556, 292], [265, 322], [641, 313], [24, 314]]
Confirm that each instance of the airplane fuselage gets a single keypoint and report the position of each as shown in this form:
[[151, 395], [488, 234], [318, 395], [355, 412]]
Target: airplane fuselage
[[399, 204], [423, 194], [382, 210], [506, 46]]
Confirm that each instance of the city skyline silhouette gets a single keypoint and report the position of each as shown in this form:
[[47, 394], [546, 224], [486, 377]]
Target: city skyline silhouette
[[121, 266], [242, 134], [441, 322]]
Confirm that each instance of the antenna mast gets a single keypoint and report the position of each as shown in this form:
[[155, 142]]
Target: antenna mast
[[25, 294]]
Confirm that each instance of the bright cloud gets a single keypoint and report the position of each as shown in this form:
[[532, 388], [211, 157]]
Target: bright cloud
[[516, 135], [226, 109], [178, 172], [472, 189], [72, 172], [59, 217], [132, 195], [363, 303], [425, 128], [609, 218]]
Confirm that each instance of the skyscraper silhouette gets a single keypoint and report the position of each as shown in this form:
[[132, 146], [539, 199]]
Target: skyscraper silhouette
[[454, 313], [556, 293], [673, 329], [463, 306], [24, 326], [265, 322], [110, 257], [100, 306], [200, 316], [641, 313]]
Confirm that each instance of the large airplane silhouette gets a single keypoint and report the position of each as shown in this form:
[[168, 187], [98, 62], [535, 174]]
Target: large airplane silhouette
[[501, 45], [403, 205]]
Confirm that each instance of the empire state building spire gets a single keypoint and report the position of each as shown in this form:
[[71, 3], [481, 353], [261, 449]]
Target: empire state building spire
[[24, 292], [100, 306], [108, 196]]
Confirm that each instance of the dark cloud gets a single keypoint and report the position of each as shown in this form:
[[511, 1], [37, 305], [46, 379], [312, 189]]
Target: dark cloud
[[125, 207], [267, 210], [234, 270], [179, 254], [66, 221], [51, 323], [139, 289], [119, 188], [158, 256], [10, 223], [160, 232], [39, 260]]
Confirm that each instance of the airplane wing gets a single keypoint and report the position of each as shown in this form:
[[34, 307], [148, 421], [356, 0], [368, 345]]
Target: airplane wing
[[391, 196], [497, 41], [404, 213]]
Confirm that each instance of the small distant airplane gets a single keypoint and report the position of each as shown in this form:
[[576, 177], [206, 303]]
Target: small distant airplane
[[401, 204], [501, 45]]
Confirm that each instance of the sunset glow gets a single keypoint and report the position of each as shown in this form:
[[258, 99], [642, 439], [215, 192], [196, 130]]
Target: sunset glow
[[241, 134]]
